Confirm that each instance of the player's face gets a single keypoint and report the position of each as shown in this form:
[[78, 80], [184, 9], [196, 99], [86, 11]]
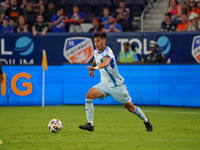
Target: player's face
[[99, 43]]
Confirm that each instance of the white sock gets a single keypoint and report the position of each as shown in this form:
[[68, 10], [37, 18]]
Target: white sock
[[89, 106], [140, 114]]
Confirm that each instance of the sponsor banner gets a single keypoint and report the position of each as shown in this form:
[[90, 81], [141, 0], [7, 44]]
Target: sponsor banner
[[168, 85], [78, 49], [25, 49], [196, 48], [22, 86], [19, 50]]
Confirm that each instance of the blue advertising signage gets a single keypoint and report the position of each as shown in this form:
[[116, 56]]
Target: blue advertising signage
[[160, 85], [26, 49]]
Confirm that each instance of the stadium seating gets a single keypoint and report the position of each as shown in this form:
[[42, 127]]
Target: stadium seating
[[100, 5], [128, 3], [141, 2], [93, 8], [86, 5], [19, 2], [68, 9], [70, 2], [136, 10], [88, 17]]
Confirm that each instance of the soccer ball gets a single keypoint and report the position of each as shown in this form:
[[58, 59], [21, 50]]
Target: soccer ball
[[55, 125]]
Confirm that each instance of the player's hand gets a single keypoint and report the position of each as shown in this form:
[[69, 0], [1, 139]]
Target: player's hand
[[1, 78], [91, 74], [90, 68]]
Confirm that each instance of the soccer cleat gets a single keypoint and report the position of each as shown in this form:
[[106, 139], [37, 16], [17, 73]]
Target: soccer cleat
[[148, 125], [87, 126]]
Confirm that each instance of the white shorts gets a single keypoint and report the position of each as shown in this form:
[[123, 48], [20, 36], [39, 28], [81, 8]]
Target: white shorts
[[119, 93]]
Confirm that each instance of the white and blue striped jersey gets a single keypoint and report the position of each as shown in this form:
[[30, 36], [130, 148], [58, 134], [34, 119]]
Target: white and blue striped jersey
[[109, 75]]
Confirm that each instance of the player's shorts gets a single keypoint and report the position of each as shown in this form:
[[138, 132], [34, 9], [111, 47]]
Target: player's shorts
[[119, 93]]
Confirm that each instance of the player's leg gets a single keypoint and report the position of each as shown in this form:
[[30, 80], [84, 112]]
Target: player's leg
[[89, 106], [121, 94], [137, 111]]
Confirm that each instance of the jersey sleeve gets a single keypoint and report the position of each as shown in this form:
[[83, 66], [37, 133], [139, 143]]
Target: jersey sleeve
[[109, 53], [95, 54]]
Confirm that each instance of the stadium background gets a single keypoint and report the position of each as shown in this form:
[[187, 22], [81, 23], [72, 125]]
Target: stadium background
[[172, 84]]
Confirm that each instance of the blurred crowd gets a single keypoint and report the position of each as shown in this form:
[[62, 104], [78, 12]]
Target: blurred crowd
[[41, 16], [183, 17]]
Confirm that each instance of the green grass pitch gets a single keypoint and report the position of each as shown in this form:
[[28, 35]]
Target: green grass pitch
[[25, 128]]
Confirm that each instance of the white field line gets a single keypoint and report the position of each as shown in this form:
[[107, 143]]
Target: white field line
[[110, 140], [35, 141], [178, 112], [176, 140]]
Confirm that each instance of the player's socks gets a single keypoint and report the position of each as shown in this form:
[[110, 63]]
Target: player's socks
[[89, 106], [140, 114]]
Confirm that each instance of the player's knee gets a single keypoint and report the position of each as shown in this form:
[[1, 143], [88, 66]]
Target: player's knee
[[89, 96]]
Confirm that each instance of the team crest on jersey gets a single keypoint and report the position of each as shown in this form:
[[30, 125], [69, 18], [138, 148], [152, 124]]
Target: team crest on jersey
[[78, 49], [196, 48]]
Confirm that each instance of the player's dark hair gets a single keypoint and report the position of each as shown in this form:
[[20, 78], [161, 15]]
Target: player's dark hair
[[102, 35]]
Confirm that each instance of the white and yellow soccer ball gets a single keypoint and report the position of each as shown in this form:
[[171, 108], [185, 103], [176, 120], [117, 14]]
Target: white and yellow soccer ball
[[55, 125]]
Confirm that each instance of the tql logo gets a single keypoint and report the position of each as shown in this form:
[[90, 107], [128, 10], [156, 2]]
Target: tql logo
[[78, 49], [196, 48], [24, 45], [164, 45]]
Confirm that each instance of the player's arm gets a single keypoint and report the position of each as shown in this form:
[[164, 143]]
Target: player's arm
[[94, 63], [91, 73], [104, 64]]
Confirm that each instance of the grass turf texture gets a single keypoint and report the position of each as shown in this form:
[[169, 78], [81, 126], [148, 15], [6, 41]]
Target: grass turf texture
[[25, 128]]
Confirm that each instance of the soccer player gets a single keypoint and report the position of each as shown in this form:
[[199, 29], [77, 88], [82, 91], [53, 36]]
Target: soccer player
[[112, 83], [1, 74]]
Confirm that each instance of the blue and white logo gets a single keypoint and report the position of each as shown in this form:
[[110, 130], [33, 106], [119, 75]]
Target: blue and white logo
[[196, 48], [24, 45], [78, 49], [164, 45]]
